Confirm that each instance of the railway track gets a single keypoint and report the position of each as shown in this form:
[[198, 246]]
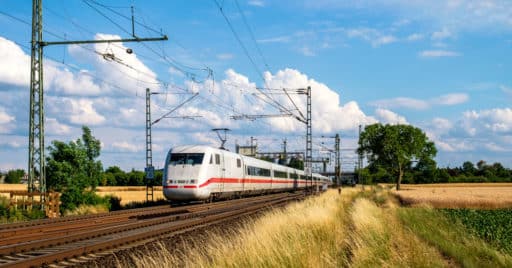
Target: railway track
[[50, 241]]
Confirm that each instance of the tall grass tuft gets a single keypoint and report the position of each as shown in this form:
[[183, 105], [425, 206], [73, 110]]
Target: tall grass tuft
[[379, 240], [87, 209]]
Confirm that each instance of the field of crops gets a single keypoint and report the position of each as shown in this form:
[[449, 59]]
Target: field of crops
[[127, 194], [494, 226], [457, 195]]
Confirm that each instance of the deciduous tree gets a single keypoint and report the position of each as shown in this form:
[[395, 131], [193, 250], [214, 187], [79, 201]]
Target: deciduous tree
[[396, 147]]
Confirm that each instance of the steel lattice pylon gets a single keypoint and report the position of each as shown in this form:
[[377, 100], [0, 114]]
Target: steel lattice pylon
[[36, 161], [149, 171], [309, 139]]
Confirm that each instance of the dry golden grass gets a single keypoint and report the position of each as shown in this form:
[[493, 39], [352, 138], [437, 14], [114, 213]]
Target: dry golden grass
[[87, 209], [5, 187], [463, 195], [129, 194], [306, 234]]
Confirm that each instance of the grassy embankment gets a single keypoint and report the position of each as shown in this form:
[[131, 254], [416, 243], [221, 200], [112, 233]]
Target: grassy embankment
[[355, 229]]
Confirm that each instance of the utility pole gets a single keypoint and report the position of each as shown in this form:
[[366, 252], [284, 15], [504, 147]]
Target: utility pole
[[36, 161], [284, 147], [360, 164], [149, 170], [309, 139], [253, 148], [337, 166]]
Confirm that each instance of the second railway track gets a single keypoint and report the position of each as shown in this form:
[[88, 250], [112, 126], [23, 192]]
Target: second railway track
[[53, 241]]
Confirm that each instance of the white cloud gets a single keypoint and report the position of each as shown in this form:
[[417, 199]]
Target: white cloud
[[373, 36], [384, 40], [402, 102], [306, 51], [477, 131], [76, 111], [506, 90], [257, 3], [225, 56], [176, 72], [124, 146], [493, 147], [389, 117], [440, 35], [6, 121], [68, 83], [451, 99], [494, 120], [15, 67], [54, 127], [278, 39], [441, 124], [328, 113], [5, 117], [417, 104], [458, 15], [438, 53], [415, 37]]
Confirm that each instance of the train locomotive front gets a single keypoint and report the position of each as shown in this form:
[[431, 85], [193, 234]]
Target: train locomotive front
[[185, 171]]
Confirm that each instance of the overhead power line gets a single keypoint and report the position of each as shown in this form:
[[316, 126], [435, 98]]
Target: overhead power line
[[252, 35]]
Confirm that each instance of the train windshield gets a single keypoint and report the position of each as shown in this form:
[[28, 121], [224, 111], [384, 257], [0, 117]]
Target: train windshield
[[186, 159]]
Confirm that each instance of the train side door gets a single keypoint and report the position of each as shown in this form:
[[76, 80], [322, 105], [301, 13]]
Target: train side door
[[295, 180], [218, 167]]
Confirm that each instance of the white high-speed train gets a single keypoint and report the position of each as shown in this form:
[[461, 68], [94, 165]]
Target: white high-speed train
[[197, 172]]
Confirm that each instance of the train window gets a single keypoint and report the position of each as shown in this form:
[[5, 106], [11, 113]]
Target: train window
[[294, 176], [280, 174], [211, 159], [186, 159], [256, 171], [217, 159], [238, 163]]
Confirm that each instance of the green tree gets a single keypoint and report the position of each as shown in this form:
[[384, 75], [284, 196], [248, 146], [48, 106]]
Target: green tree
[[395, 147], [468, 168], [14, 176], [92, 148], [73, 170], [296, 163]]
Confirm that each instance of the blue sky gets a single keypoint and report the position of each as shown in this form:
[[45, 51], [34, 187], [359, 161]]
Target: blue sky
[[442, 66]]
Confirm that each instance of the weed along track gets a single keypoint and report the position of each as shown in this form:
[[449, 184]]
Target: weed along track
[[52, 241]]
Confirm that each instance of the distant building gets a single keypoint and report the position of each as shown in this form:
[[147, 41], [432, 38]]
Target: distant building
[[247, 150]]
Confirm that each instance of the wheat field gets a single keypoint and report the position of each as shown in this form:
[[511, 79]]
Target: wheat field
[[457, 195], [127, 194]]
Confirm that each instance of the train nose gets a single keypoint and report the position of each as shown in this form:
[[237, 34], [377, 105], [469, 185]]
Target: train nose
[[182, 193]]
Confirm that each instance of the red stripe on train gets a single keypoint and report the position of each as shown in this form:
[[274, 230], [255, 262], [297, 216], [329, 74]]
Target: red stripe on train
[[234, 180]]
